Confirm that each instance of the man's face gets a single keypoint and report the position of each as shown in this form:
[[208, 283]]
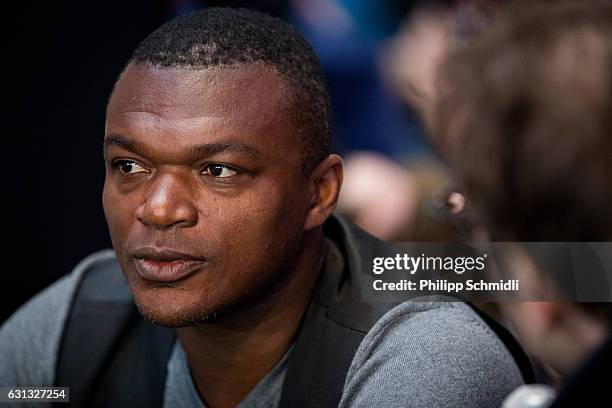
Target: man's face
[[204, 193]]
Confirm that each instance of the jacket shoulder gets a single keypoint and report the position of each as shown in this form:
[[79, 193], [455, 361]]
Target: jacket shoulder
[[30, 338], [102, 279], [409, 348]]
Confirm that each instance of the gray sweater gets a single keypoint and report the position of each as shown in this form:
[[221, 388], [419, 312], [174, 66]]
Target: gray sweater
[[419, 354]]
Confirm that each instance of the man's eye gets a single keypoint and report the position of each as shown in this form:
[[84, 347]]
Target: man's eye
[[219, 170], [129, 167]]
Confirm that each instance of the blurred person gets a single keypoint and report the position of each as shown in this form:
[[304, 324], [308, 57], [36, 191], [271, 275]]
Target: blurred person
[[414, 198], [230, 282], [392, 196], [412, 201], [367, 117], [378, 194], [413, 55], [525, 117]]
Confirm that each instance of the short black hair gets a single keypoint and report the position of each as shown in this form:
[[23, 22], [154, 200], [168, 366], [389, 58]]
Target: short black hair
[[220, 36]]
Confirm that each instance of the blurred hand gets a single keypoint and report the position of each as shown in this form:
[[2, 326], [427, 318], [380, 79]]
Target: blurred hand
[[378, 195]]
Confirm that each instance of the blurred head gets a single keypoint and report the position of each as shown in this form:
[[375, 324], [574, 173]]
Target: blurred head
[[217, 163], [413, 56], [525, 117]]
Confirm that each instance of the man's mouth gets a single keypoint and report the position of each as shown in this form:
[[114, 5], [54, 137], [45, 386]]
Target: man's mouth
[[165, 265]]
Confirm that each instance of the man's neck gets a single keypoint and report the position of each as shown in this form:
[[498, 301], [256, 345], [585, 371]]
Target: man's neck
[[229, 356]]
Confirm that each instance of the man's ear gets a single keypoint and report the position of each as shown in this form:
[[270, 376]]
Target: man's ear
[[325, 182]]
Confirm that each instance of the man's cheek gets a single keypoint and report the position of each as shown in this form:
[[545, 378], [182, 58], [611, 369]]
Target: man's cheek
[[106, 204], [251, 216], [119, 227]]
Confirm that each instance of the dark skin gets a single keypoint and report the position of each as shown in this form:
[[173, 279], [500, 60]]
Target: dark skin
[[207, 163]]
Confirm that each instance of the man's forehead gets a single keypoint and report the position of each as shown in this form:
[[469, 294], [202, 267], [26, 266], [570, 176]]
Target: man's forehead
[[170, 110], [249, 91]]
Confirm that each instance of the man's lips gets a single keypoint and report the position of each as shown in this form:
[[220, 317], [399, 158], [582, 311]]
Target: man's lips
[[165, 265]]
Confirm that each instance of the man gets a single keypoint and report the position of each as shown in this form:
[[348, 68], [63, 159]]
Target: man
[[525, 117], [218, 195]]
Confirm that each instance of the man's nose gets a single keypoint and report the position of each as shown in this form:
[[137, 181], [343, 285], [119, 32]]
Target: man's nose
[[168, 204]]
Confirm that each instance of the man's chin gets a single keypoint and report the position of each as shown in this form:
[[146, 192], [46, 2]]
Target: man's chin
[[175, 317], [174, 308]]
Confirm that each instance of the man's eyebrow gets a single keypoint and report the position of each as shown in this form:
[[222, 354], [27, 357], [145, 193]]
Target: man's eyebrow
[[210, 149], [193, 152], [117, 140]]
